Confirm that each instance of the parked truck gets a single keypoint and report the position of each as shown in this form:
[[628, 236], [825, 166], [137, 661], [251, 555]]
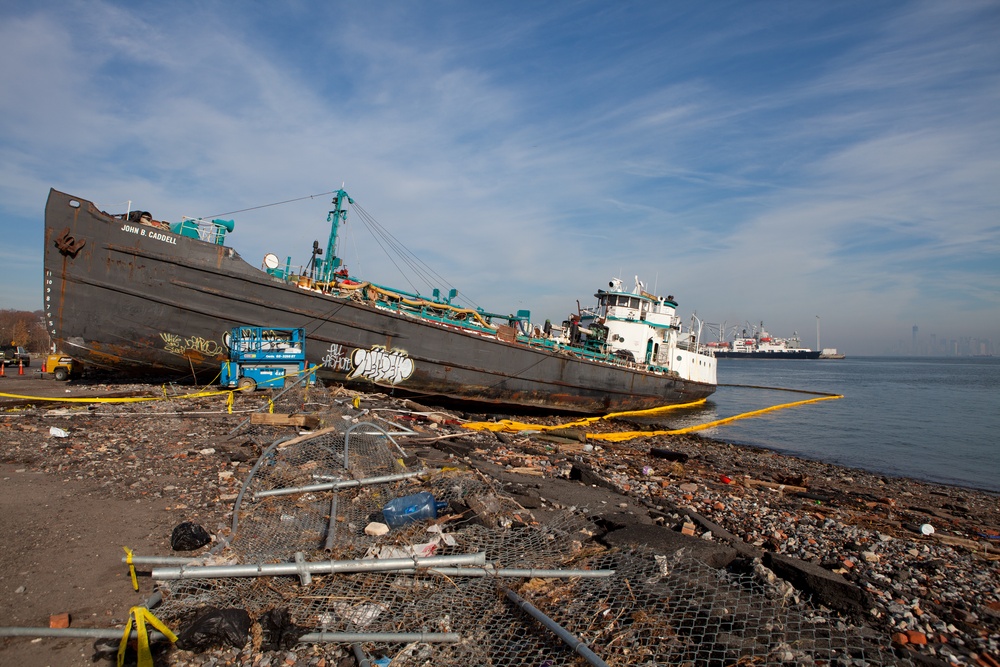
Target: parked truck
[[265, 357], [14, 355]]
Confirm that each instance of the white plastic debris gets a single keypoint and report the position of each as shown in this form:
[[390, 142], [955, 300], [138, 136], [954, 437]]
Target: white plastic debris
[[375, 529], [927, 529], [361, 615], [57, 432]]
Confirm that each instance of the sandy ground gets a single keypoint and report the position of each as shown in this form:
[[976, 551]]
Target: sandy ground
[[62, 547], [62, 534]]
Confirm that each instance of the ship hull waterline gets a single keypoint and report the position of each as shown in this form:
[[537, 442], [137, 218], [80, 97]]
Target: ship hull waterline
[[143, 302], [790, 354]]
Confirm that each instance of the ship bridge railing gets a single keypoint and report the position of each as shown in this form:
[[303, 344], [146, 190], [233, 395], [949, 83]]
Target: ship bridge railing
[[210, 231], [692, 346]]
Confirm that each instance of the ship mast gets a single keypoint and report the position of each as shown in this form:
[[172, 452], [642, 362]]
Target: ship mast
[[337, 216]]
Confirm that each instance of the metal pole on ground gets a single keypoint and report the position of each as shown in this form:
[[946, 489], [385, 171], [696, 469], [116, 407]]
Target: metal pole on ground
[[86, 633], [317, 567], [569, 639]]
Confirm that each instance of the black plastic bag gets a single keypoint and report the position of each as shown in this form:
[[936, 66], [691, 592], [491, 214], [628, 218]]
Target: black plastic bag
[[188, 537], [279, 631], [215, 627]]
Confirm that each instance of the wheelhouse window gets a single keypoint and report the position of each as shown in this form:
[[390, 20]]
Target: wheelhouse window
[[625, 301]]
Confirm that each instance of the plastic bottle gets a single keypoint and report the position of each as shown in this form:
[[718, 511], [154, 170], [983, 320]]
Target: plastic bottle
[[401, 511]]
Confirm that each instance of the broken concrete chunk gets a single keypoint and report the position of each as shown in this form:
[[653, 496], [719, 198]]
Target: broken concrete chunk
[[486, 506], [665, 541], [828, 587]]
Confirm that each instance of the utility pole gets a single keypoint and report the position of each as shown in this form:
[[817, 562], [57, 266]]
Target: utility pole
[[817, 334]]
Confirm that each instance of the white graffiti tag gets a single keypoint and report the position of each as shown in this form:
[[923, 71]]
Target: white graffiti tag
[[176, 345], [336, 359], [380, 365]]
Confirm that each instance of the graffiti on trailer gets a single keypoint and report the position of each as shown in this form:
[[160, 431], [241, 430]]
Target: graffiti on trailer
[[336, 359], [380, 365], [178, 345]]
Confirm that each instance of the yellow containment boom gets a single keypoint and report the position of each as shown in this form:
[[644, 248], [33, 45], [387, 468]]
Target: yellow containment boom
[[510, 426]]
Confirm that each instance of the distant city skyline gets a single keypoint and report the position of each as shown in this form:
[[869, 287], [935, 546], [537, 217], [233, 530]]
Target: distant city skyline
[[931, 345]]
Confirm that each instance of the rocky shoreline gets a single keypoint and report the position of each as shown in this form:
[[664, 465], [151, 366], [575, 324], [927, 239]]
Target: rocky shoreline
[[917, 563]]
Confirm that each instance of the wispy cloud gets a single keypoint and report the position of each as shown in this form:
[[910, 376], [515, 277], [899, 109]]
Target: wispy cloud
[[761, 161]]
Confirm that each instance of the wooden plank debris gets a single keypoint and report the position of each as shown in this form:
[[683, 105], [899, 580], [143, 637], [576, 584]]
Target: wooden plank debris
[[301, 421]]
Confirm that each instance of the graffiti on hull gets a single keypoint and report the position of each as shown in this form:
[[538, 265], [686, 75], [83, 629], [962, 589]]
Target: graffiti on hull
[[380, 365], [337, 359], [176, 344]]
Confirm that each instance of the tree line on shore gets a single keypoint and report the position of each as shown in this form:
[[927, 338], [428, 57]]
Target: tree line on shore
[[21, 327]]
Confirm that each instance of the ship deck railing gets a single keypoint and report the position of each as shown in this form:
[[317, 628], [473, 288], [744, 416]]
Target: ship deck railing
[[435, 312]]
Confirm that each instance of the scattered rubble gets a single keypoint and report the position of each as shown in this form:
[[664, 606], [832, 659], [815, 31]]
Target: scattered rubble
[[854, 544]]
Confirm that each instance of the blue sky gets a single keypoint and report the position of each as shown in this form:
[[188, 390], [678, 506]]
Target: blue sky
[[766, 161]]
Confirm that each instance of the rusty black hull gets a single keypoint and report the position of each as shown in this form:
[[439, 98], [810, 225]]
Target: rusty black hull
[[147, 302]]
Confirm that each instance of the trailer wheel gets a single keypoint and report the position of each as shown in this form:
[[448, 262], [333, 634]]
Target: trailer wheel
[[61, 374], [246, 384]]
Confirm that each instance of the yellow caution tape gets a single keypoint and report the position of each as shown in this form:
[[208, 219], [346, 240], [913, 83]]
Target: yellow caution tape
[[131, 567], [270, 405], [229, 402], [131, 399], [122, 399], [356, 402], [510, 426], [137, 399], [141, 616], [290, 374]]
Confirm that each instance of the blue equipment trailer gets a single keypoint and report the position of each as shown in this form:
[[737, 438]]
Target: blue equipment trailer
[[265, 357]]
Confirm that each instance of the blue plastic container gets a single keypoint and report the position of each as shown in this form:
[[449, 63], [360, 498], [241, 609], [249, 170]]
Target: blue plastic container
[[401, 511]]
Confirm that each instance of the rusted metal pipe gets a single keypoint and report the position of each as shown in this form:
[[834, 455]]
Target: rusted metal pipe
[[331, 526]]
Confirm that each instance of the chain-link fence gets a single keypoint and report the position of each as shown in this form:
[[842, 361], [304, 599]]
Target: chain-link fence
[[312, 500]]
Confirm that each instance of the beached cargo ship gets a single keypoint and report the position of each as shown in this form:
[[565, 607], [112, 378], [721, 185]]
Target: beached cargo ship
[[130, 293]]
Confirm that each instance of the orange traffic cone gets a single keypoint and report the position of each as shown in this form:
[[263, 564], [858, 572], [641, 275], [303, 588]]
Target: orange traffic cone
[[20, 366], [2, 366]]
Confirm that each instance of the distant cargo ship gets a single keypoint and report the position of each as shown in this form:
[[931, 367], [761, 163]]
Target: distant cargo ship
[[759, 344]]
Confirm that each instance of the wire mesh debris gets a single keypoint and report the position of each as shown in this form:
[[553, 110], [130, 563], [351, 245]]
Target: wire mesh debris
[[641, 609]]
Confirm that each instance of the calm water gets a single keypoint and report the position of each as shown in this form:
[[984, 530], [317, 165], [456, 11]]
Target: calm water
[[924, 418]]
